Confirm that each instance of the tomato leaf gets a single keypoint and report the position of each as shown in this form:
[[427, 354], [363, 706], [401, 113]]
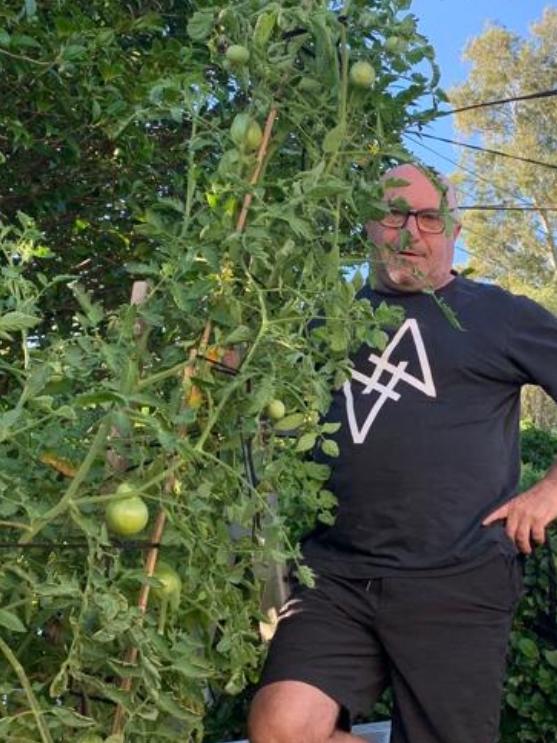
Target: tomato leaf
[[72, 719], [264, 28], [200, 24], [11, 621], [333, 138], [290, 422], [16, 321], [330, 448], [306, 442], [330, 427]]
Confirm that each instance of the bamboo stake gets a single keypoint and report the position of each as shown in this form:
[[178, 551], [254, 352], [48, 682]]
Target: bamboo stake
[[257, 172], [189, 371]]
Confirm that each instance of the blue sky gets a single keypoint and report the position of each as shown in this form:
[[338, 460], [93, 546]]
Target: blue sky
[[449, 24]]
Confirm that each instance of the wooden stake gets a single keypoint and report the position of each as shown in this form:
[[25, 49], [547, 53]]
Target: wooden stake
[[257, 172]]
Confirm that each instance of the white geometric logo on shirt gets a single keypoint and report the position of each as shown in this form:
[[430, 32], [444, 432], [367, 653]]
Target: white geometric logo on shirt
[[398, 374]]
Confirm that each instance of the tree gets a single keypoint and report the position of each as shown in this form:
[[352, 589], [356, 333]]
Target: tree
[[518, 249], [137, 138]]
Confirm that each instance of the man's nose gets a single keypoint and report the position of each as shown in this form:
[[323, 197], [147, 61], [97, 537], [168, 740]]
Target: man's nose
[[412, 226]]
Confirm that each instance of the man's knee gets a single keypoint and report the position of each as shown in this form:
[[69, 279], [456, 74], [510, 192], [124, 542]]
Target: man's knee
[[288, 711]]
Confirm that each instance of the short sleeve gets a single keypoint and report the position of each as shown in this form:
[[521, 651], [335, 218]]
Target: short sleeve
[[532, 344]]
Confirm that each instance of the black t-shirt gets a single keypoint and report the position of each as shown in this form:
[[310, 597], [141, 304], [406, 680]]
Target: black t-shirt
[[429, 434]]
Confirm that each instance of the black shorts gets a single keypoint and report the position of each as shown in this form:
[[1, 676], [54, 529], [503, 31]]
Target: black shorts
[[439, 642]]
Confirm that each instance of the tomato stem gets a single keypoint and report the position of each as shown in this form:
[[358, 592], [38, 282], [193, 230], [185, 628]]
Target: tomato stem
[[24, 680], [162, 616]]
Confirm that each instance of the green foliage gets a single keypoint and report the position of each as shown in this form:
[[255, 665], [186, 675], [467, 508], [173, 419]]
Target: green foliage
[[515, 248], [530, 711], [118, 166], [539, 448]]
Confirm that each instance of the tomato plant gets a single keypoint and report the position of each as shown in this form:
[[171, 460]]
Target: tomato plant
[[188, 201]]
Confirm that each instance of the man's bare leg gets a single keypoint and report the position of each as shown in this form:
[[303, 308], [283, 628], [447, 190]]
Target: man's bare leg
[[288, 711]]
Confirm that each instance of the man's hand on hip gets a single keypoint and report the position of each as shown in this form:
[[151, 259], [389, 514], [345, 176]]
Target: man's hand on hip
[[528, 514]]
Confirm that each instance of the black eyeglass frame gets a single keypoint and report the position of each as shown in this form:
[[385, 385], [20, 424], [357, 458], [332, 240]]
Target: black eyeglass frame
[[416, 214]]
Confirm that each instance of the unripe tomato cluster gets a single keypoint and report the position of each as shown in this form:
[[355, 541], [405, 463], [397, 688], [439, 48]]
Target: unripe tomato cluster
[[126, 516], [246, 132]]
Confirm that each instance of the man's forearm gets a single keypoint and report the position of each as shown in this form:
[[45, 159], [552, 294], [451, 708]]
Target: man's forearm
[[550, 477]]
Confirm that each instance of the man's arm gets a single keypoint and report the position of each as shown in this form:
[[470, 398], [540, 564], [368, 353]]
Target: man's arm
[[528, 514]]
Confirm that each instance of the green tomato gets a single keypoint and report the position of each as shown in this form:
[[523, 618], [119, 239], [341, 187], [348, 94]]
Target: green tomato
[[126, 516], [239, 129], [393, 44], [245, 132], [254, 135], [237, 54], [362, 75], [276, 410], [171, 582]]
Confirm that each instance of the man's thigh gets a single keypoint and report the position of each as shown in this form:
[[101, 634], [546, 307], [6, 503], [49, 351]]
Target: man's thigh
[[447, 641], [324, 638]]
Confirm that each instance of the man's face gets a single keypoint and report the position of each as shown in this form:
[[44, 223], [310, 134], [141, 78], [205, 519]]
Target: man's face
[[410, 259]]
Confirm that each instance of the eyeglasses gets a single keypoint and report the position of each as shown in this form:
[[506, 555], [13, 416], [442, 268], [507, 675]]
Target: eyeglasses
[[428, 220]]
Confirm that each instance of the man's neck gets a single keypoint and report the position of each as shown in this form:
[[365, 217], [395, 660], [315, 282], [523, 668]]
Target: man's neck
[[380, 286]]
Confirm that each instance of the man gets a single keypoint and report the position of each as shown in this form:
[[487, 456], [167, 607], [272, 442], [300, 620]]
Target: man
[[418, 579]]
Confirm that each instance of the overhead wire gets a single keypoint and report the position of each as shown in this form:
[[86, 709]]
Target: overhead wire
[[539, 230], [507, 208], [500, 101], [529, 160], [467, 251]]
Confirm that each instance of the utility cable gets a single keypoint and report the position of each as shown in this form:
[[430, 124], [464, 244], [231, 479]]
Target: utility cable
[[485, 104], [552, 166], [471, 253], [505, 208], [541, 232]]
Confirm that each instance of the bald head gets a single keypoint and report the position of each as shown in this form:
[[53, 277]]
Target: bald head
[[408, 171], [417, 253]]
